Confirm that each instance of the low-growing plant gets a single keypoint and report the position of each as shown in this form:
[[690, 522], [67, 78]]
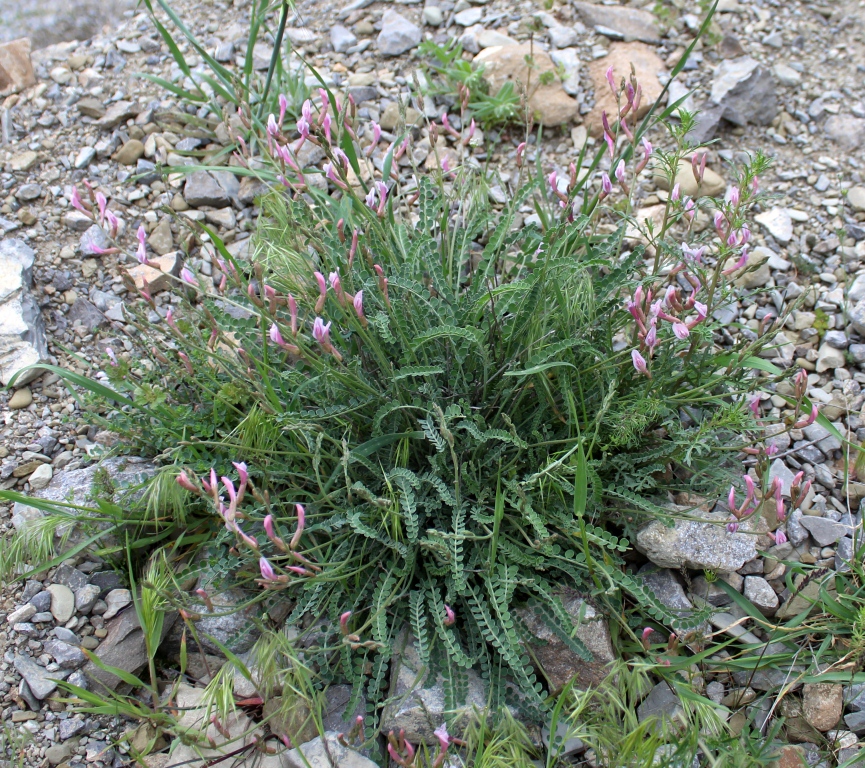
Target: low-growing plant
[[408, 410], [450, 75]]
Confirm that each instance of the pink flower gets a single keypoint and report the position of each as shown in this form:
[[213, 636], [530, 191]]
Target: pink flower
[[376, 135], [552, 180], [754, 405], [732, 526], [321, 331], [450, 616], [812, 417], [620, 172], [652, 337], [702, 309], [681, 331], [186, 362], [731, 499], [690, 209], [169, 318], [141, 253], [521, 148], [75, 200], [112, 358], [301, 522], [283, 106], [606, 184], [370, 198], [325, 124], [645, 635], [322, 291], [305, 119], [744, 235], [382, 194], [732, 196], [780, 537], [276, 336], [336, 284], [267, 572], [358, 308], [441, 733], [272, 126], [113, 223], [611, 79], [693, 254], [674, 195], [187, 276], [184, 482], [103, 205], [639, 362], [343, 622]]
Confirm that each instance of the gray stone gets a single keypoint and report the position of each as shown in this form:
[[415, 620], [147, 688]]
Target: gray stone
[[342, 38], [68, 656], [82, 312], [786, 75], [58, 753], [856, 198], [123, 647], [22, 613], [857, 317], [22, 332], [843, 554], [745, 90], [701, 543], [62, 602], [116, 600], [780, 469], [777, 223], [559, 664], [846, 131], [202, 188], [320, 754], [29, 192], [66, 635], [69, 577], [398, 35], [417, 702], [761, 595], [665, 586], [855, 721], [624, 23], [837, 339], [41, 601], [94, 241], [662, 703], [38, 678], [86, 597], [822, 704], [469, 17], [562, 37], [709, 591], [825, 440], [823, 530], [433, 16], [229, 624], [124, 478], [71, 727]]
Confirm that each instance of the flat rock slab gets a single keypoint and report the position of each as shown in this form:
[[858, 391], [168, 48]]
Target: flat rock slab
[[626, 23], [701, 543]]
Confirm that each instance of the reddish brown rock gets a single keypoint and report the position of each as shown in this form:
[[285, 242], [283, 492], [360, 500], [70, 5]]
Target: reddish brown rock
[[547, 99], [16, 69]]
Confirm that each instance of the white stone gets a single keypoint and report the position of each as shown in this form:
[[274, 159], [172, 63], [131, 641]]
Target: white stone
[[777, 223], [41, 477]]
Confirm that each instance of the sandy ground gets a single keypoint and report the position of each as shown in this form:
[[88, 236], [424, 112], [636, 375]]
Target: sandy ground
[[47, 22]]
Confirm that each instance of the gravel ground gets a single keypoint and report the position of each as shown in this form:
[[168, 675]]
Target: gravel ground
[[91, 118], [55, 21]]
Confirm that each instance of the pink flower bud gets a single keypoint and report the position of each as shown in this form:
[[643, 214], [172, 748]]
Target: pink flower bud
[[187, 276], [681, 331], [611, 79], [358, 308], [301, 521], [520, 149], [267, 572], [184, 482], [450, 616], [639, 362], [606, 184], [731, 499], [732, 526], [343, 622], [674, 195], [322, 291]]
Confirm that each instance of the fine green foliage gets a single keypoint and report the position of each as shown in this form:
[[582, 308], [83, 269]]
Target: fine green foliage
[[410, 408]]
